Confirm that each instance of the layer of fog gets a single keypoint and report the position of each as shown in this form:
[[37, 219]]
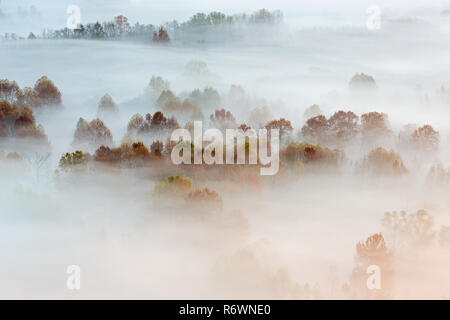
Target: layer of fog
[[108, 225]]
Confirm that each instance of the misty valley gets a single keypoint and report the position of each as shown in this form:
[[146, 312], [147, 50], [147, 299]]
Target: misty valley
[[224, 154]]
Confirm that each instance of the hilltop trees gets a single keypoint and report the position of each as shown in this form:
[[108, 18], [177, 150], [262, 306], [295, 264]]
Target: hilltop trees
[[134, 154], [380, 161], [47, 92], [362, 82], [158, 84], [316, 130], [201, 23], [158, 125], [222, 120], [375, 127], [309, 154], [283, 125], [438, 174], [30, 97], [73, 161], [343, 127], [209, 98], [19, 122], [426, 139], [107, 106], [204, 200], [312, 111], [43, 93], [9, 90], [185, 110], [338, 130], [92, 134], [155, 87], [165, 96], [174, 186]]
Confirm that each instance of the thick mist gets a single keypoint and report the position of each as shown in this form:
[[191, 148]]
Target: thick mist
[[290, 236]]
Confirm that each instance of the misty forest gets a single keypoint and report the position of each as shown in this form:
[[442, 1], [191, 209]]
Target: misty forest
[[86, 176]]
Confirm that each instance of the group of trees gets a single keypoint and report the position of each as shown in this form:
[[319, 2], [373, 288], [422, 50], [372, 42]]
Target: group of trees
[[342, 127], [223, 119], [44, 92], [178, 187], [16, 107], [17, 121], [376, 259], [379, 161], [128, 154], [120, 27], [188, 106], [158, 124], [284, 126], [174, 186], [185, 110], [362, 83], [218, 18], [439, 174], [92, 134], [204, 199], [309, 154], [107, 106], [373, 128], [73, 161], [423, 138], [208, 98]]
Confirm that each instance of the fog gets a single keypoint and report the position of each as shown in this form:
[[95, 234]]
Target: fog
[[288, 236]]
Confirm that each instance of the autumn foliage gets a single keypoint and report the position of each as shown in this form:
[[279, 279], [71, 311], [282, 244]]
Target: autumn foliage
[[151, 124], [44, 93], [16, 121]]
